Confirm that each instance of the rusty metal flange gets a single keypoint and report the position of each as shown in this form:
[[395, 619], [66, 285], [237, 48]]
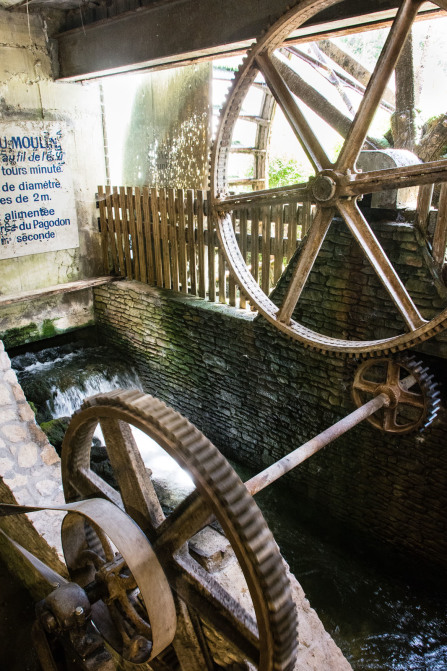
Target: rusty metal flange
[[411, 407]]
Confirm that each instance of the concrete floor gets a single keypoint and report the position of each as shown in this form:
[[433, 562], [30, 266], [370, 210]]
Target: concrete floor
[[16, 619]]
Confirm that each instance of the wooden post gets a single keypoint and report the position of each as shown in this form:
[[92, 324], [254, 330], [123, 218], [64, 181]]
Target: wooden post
[[133, 232], [191, 240], [103, 225], [440, 236], [149, 236], [173, 239], [157, 240], [201, 243], [182, 241], [165, 238], [211, 252]]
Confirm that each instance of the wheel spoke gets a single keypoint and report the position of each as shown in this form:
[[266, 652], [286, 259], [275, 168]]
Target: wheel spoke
[[393, 374], [314, 151], [362, 232], [433, 172], [137, 491], [377, 84], [368, 386], [411, 398], [87, 483], [189, 517], [298, 193], [389, 418], [214, 605], [315, 237]]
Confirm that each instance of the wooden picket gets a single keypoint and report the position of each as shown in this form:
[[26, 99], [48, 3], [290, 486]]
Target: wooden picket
[[165, 237]]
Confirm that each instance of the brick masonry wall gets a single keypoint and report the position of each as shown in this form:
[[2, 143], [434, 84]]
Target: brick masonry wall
[[257, 395]]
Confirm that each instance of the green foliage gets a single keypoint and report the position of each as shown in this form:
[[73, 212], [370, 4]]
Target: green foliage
[[284, 171]]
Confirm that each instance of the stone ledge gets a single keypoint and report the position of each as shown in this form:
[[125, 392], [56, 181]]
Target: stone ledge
[[57, 289]]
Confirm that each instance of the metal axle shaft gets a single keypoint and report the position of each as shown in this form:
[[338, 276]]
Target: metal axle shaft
[[290, 461]]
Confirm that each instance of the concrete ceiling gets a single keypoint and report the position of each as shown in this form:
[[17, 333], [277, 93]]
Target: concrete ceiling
[[54, 4], [101, 37]]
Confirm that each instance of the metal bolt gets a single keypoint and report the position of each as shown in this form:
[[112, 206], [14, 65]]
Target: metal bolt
[[79, 615]]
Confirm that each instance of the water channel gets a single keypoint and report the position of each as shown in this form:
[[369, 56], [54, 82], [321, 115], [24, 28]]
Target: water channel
[[381, 619]]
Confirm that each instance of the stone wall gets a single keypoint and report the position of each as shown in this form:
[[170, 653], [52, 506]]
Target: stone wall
[[28, 93], [29, 475], [44, 316], [257, 395]]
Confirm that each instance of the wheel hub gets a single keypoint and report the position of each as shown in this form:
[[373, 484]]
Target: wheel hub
[[323, 188]]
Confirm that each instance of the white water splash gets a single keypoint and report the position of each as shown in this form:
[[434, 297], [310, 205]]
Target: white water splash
[[65, 403]]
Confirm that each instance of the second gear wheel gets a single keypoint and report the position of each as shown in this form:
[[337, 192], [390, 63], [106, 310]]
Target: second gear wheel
[[270, 642], [411, 407]]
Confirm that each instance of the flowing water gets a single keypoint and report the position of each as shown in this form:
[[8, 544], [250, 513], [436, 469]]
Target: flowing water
[[382, 620]]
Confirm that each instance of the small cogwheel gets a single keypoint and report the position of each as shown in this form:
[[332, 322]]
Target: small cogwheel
[[413, 393]]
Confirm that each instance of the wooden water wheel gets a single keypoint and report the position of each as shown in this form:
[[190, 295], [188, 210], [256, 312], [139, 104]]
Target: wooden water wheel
[[335, 189]]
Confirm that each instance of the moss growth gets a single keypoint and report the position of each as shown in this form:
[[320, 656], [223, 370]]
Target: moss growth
[[55, 430], [25, 334], [48, 329], [32, 406], [19, 336]]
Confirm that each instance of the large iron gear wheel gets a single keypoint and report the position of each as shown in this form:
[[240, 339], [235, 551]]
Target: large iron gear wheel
[[335, 188], [411, 407], [270, 642]]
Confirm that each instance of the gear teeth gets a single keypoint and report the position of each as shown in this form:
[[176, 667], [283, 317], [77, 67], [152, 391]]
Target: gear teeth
[[223, 491]]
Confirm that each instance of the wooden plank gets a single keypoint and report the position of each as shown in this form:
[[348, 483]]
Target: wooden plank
[[157, 238], [221, 275], [425, 196], [254, 256], [165, 238], [125, 232], [182, 242], [265, 215], [210, 225], [243, 248], [104, 233], [231, 281], [119, 235], [173, 238], [191, 240], [201, 244], [292, 229], [111, 230], [133, 232], [279, 236], [440, 236], [139, 228], [306, 217], [148, 236]]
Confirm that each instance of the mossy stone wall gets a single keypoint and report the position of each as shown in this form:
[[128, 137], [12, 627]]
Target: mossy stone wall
[[257, 395]]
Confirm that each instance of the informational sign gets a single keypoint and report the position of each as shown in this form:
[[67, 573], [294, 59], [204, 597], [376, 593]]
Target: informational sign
[[37, 206]]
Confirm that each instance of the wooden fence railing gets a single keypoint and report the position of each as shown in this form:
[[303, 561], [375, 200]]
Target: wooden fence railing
[[164, 237]]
